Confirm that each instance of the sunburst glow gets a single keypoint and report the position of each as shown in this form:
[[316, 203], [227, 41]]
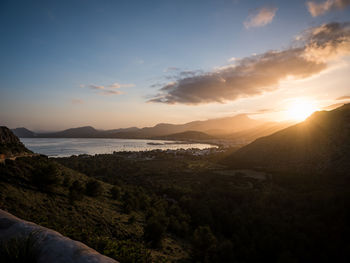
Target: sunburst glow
[[300, 109]]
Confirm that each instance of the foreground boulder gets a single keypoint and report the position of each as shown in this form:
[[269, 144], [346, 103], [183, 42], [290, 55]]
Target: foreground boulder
[[49, 246]]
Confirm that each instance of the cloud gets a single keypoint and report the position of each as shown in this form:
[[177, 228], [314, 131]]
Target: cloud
[[346, 97], [257, 74], [117, 85], [260, 17], [317, 9], [111, 89], [96, 87], [111, 92], [232, 59]]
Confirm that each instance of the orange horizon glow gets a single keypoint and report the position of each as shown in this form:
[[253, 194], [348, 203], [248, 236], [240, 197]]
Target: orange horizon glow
[[300, 109]]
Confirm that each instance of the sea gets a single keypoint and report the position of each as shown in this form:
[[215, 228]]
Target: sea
[[64, 147]]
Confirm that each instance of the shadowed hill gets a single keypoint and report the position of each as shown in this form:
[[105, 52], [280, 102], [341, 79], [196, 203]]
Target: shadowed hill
[[23, 133], [319, 144], [81, 132]]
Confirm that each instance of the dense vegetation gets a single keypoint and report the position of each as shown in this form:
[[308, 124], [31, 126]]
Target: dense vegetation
[[229, 218]]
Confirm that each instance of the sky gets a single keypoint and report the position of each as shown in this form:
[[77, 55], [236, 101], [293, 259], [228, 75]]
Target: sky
[[114, 64]]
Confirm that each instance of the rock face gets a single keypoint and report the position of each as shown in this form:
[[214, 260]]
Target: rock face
[[7, 137], [50, 246], [9, 143]]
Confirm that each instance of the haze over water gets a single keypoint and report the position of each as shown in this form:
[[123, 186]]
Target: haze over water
[[63, 147]]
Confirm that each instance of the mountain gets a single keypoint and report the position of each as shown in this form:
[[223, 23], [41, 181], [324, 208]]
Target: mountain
[[131, 129], [81, 132], [320, 144], [23, 133], [10, 145], [212, 127], [265, 129], [224, 125], [187, 135]]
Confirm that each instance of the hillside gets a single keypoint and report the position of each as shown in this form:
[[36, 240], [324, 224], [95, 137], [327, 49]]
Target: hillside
[[10, 145], [187, 135], [81, 132], [211, 126], [249, 135], [38, 189], [319, 144]]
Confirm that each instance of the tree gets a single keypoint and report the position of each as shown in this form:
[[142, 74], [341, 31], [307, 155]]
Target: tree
[[66, 180], [115, 192], [46, 175], [93, 188], [153, 232], [76, 191], [203, 244]]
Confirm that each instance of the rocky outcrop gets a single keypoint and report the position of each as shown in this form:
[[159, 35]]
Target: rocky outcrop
[[7, 136], [49, 246], [10, 145]]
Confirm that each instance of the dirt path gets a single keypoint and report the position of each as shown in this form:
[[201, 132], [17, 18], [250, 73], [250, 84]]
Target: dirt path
[[3, 158]]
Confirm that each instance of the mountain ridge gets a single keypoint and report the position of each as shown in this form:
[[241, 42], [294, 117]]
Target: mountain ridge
[[225, 125], [319, 144]]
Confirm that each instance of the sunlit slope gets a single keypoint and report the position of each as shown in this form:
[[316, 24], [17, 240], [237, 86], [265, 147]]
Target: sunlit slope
[[319, 144], [187, 135]]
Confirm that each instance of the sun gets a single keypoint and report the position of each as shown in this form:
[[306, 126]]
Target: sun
[[300, 109]]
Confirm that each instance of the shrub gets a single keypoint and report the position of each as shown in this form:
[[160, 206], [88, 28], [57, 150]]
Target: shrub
[[19, 250], [115, 192], [76, 191], [66, 181], [132, 219], [46, 175], [203, 244], [93, 188], [130, 202], [153, 232], [127, 252]]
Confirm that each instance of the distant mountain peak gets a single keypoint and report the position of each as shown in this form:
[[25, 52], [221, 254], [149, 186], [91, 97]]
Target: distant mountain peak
[[23, 132]]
